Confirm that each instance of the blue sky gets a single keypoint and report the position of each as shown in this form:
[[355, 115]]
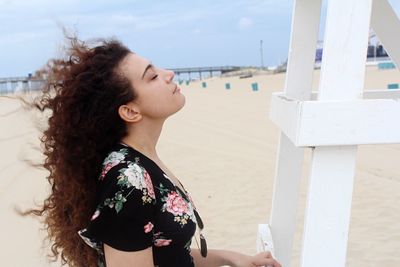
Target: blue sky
[[170, 33]]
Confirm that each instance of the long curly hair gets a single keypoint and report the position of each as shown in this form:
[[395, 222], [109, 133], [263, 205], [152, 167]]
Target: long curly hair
[[83, 92]]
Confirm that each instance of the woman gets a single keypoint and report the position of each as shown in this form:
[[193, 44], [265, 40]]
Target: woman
[[114, 202]]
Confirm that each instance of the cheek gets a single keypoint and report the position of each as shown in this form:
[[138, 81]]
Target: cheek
[[157, 103]]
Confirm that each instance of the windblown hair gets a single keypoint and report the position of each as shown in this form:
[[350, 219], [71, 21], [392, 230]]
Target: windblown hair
[[83, 93]]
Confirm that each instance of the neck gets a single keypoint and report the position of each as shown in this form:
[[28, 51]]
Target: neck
[[143, 136]]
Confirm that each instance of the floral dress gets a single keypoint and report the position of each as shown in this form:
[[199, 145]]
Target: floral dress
[[140, 207]]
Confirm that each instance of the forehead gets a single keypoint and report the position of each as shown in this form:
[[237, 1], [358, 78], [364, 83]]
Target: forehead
[[133, 66]]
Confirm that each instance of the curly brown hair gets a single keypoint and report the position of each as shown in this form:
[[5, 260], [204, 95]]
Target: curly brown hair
[[83, 92]]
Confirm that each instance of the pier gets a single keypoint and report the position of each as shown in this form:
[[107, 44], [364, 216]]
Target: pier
[[20, 84], [29, 83], [200, 70]]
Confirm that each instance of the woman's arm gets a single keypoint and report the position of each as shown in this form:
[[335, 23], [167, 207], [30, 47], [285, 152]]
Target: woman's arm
[[215, 257], [119, 258], [218, 257]]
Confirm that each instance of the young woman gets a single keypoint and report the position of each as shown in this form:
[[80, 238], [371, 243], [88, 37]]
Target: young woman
[[114, 202]]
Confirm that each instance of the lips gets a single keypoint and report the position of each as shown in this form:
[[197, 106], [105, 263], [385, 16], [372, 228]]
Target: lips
[[176, 89]]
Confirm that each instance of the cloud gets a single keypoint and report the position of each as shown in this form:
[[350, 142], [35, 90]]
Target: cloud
[[148, 27], [244, 23]]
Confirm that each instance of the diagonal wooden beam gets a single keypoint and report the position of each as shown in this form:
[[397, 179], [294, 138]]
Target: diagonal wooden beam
[[386, 25], [301, 58]]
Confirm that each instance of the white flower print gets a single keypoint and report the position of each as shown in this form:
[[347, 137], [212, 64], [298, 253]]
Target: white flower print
[[134, 175], [137, 177], [115, 156], [111, 160]]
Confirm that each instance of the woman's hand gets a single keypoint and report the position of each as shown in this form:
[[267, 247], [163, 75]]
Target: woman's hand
[[259, 260]]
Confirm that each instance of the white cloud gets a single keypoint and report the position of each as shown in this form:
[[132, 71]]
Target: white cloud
[[32, 24], [245, 23]]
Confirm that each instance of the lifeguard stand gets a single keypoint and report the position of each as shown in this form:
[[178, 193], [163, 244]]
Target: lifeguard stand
[[332, 122]]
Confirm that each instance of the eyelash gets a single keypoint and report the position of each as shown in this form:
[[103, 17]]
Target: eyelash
[[154, 77]]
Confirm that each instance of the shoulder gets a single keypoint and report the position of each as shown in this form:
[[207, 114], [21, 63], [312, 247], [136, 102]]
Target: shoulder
[[122, 168], [125, 183], [118, 156], [121, 156]]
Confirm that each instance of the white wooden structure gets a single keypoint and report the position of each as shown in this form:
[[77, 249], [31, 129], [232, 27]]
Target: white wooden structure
[[331, 122]]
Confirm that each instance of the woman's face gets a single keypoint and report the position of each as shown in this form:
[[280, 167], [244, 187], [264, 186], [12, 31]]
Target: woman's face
[[158, 97]]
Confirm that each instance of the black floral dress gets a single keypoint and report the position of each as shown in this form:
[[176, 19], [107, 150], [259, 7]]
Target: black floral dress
[[138, 207]]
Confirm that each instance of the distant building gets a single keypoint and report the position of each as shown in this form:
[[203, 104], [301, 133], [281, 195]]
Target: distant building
[[374, 51]]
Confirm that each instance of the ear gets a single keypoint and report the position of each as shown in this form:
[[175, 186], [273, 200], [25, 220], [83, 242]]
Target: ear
[[129, 113]]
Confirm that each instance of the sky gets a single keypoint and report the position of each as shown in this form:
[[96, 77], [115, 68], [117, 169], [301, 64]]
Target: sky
[[172, 34]]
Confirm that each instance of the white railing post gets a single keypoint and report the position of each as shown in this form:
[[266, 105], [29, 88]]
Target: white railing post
[[332, 122], [331, 180]]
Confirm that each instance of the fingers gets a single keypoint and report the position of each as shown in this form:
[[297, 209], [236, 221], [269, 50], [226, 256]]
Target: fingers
[[265, 259], [264, 254], [267, 254], [276, 264], [272, 263]]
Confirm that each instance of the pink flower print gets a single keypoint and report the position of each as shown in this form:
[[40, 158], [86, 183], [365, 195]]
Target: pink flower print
[[107, 168], [149, 184], [157, 234], [111, 160], [176, 204], [95, 215], [148, 227], [162, 242]]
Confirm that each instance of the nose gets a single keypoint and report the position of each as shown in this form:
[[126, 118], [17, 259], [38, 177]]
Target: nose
[[170, 75]]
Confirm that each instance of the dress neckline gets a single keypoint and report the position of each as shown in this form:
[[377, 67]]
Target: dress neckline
[[184, 194], [155, 164]]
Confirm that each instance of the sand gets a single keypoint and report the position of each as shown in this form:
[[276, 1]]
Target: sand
[[222, 146]]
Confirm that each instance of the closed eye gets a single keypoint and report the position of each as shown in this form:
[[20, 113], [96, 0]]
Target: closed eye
[[154, 77]]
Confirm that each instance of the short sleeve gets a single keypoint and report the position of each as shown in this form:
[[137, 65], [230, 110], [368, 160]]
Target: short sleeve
[[124, 217]]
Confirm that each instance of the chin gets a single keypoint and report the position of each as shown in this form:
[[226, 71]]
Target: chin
[[181, 104]]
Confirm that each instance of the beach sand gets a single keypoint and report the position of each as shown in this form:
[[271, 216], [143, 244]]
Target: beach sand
[[222, 146]]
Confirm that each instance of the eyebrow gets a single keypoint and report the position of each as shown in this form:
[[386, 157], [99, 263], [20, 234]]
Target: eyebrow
[[147, 67]]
